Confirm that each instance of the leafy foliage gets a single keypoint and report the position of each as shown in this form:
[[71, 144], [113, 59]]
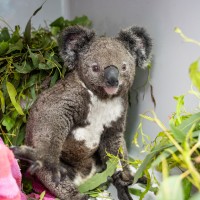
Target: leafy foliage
[[29, 63], [176, 146]]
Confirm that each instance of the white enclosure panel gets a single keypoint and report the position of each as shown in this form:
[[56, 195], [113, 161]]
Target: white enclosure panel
[[18, 12]]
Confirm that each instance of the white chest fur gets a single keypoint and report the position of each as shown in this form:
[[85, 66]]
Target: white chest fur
[[101, 114]]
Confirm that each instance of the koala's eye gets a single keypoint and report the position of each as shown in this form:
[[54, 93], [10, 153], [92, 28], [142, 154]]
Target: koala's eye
[[124, 67], [95, 67]]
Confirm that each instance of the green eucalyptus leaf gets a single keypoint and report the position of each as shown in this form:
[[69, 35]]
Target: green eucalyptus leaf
[[134, 191], [31, 81], [27, 32], [4, 35], [148, 159], [55, 30], [2, 101], [20, 133], [99, 178], [8, 122], [171, 189], [83, 21], [24, 68], [54, 78], [18, 46], [12, 94], [59, 22], [195, 74], [186, 125], [163, 155], [179, 106], [15, 35], [187, 186], [33, 93], [177, 133], [4, 46], [34, 57]]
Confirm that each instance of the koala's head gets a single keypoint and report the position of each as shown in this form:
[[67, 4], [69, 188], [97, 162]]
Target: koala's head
[[105, 65]]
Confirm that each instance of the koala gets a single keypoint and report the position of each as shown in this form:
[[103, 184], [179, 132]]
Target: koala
[[73, 125]]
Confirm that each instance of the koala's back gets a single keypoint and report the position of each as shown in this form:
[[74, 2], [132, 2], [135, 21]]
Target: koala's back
[[48, 113]]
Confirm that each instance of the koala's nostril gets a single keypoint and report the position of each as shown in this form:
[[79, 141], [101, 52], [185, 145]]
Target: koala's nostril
[[111, 74], [112, 82]]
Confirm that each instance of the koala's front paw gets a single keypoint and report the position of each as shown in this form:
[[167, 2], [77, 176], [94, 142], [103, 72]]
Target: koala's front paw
[[58, 172], [121, 180]]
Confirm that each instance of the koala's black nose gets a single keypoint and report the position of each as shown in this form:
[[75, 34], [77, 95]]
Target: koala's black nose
[[111, 74]]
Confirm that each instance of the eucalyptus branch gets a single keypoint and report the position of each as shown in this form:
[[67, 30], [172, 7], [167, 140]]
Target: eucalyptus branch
[[185, 38]]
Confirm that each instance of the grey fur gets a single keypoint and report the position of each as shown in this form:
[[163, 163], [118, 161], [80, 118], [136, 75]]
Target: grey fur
[[63, 111]]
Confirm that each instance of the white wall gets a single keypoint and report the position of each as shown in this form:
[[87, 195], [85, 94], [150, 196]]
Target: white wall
[[19, 12]]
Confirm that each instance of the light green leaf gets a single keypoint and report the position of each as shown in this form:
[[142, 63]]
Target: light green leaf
[[8, 123], [163, 155], [2, 101], [99, 178], [3, 47], [179, 106], [42, 195], [18, 46], [195, 74], [177, 133], [171, 189], [15, 35], [136, 192], [4, 35], [146, 162], [135, 139], [59, 22], [44, 66], [187, 186], [24, 68], [12, 94], [54, 78], [147, 117], [34, 57], [17, 140], [186, 125]]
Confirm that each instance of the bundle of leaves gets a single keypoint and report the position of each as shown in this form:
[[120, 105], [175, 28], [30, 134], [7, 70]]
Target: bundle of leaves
[[176, 146], [29, 63]]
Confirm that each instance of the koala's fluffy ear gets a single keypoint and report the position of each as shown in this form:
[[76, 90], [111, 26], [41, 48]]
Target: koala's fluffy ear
[[72, 40], [139, 44]]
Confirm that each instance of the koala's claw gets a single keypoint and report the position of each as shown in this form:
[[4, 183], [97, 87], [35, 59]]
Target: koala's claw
[[34, 167], [58, 174], [63, 173]]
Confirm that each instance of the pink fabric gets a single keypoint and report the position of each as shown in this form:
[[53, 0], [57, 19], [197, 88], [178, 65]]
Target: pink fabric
[[11, 177]]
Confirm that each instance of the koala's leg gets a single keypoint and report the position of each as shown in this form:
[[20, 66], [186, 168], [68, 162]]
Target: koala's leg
[[65, 190], [111, 141]]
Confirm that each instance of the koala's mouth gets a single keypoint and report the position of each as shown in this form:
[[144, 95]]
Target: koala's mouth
[[111, 90]]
